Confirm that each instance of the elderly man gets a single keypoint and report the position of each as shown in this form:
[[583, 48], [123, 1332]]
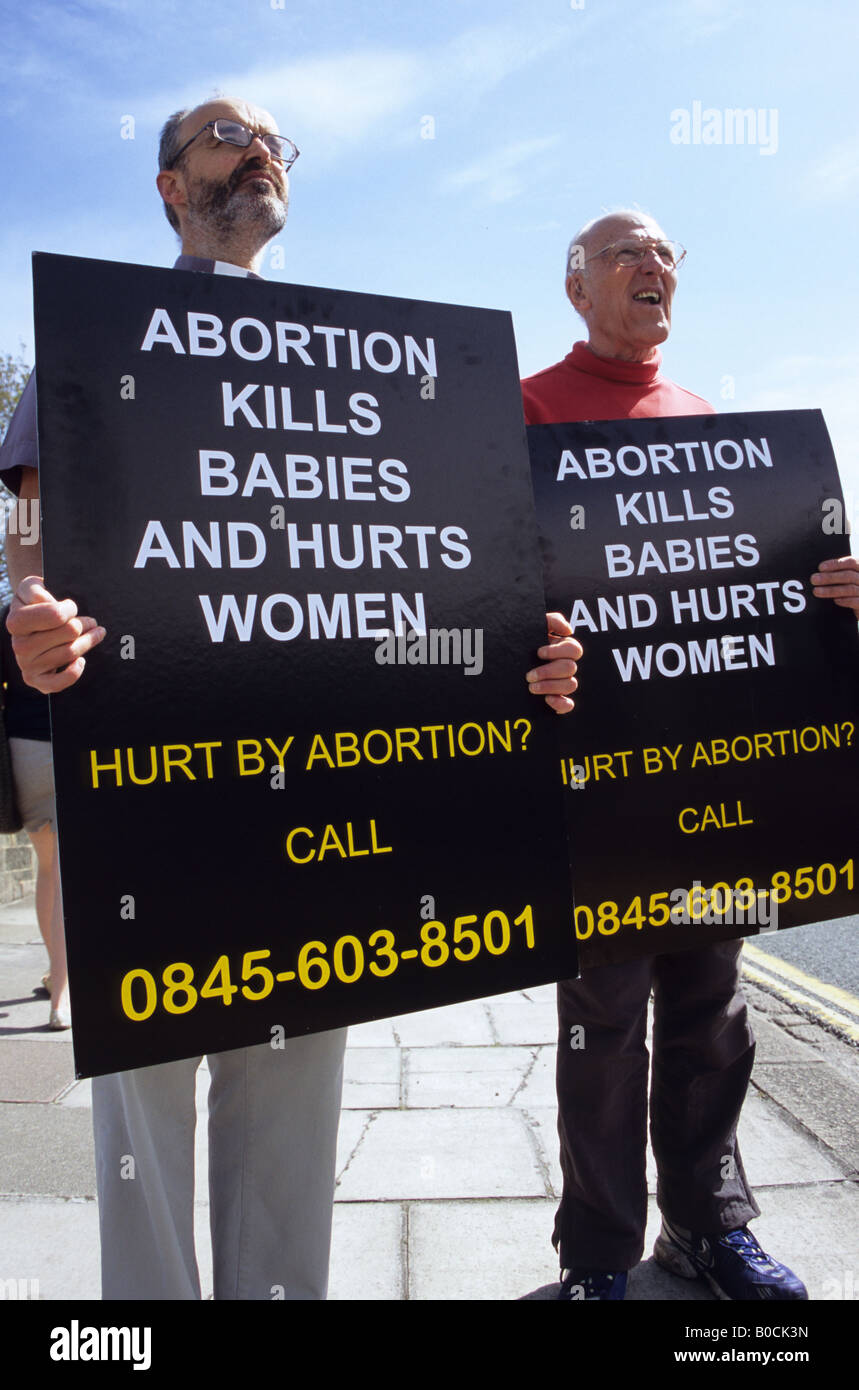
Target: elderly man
[[273, 1112], [622, 273]]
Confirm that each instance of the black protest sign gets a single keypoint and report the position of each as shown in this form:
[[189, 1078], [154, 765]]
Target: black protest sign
[[274, 818], [710, 766]]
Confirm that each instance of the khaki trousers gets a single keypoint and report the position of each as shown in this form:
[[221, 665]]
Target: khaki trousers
[[273, 1116]]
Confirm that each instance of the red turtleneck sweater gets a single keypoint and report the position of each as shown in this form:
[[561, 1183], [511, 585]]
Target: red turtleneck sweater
[[586, 387]]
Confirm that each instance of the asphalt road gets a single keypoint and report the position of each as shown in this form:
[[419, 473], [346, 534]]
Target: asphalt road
[[828, 950]]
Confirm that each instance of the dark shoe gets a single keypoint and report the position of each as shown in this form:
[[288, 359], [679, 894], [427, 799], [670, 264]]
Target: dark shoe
[[591, 1285], [732, 1263]]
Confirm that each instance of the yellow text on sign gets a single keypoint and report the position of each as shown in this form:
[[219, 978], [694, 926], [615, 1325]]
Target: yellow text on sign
[[161, 761], [331, 842], [692, 821]]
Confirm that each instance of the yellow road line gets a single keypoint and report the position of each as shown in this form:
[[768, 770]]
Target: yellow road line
[[845, 1025], [833, 994]]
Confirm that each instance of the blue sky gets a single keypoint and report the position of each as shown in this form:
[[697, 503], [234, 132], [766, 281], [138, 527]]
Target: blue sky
[[544, 113]]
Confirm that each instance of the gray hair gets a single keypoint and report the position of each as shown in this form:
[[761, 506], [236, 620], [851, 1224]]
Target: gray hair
[[167, 146]]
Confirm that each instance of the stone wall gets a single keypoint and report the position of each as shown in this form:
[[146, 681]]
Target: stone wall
[[17, 867]]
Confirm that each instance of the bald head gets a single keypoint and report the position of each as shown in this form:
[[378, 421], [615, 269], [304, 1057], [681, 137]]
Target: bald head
[[602, 231]]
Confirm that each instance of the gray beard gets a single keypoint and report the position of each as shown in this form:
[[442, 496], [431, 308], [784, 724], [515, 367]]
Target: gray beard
[[223, 210]]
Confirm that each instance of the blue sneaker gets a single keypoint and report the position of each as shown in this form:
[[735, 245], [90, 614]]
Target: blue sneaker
[[733, 1264], [591, 1285]]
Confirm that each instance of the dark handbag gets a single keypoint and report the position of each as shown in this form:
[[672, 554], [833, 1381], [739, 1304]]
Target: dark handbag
[[10, 816]]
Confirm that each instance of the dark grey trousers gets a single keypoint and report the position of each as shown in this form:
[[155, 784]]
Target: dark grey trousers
[[703, 1051]]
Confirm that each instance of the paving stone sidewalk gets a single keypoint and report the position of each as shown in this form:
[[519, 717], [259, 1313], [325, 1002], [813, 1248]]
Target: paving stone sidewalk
[[447, 1167]]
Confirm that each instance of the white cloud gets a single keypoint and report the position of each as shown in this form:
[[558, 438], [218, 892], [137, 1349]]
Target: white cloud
[[499, 174], [337, 101], [56, 42], [339, 98], [329, 104], [837, 174], [484, 55], [696, 21]]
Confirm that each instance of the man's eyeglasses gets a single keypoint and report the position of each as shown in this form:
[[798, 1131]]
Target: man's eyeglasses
[[629, 253], [232, 133]]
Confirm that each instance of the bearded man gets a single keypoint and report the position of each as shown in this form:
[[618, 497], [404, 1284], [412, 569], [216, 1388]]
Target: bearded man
[[273, 1111]]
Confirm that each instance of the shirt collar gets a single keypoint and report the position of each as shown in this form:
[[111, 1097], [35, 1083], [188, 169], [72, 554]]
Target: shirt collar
[[202, 263]]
